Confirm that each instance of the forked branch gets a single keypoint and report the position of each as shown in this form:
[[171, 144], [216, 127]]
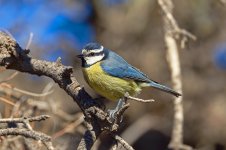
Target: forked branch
[[173, 34], [12, 56]]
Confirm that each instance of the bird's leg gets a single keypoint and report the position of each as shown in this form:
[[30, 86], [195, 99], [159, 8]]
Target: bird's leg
[[113, 112]]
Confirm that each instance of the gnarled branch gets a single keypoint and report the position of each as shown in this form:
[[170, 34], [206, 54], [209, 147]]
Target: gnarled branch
[[12, 56]]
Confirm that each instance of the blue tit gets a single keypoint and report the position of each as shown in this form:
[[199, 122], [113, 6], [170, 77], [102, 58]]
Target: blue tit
[[111, 76]]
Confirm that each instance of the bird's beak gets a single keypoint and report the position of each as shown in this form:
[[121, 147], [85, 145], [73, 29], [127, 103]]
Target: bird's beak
[[80, 56]]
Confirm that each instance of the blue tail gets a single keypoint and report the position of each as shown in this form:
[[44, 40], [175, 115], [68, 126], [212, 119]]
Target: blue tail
[[164, 88]]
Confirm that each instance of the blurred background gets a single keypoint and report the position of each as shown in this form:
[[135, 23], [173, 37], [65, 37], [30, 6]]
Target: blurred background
[[133, 29]]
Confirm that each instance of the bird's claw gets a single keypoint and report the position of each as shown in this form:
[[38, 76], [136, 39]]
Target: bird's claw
[[113, 113]]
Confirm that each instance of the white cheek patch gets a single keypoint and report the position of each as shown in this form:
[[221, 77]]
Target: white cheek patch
[[94, 59]]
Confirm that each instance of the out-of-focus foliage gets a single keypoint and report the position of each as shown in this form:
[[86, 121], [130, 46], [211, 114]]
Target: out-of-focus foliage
[[51, 22], [220, 56], [114, 2]]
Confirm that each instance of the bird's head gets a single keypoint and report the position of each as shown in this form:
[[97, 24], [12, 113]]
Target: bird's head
[[91, 54]]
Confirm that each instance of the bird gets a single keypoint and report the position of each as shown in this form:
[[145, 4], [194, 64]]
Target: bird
[[111, 76]]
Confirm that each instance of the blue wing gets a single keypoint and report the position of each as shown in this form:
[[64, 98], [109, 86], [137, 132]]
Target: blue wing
[[116, 66]]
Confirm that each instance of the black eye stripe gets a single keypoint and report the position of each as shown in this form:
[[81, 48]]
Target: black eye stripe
[[95, 54]]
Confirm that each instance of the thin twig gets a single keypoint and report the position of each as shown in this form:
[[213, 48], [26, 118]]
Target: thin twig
[[47, 89], [33, 94], [7, 101], [138, 99], [28, 134], [23, 119], [17, 105], [63, 115], [10, 77], [2, 69], [172, 30], [172, 27], [122, 142], [69, 127], [6, 85]]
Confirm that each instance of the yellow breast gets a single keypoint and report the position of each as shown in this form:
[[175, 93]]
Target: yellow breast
[[110, 87]]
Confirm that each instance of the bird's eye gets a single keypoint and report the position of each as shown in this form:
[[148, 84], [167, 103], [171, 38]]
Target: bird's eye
[[92, 54]]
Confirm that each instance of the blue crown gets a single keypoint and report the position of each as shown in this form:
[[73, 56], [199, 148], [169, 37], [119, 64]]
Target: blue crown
[[91, 46]]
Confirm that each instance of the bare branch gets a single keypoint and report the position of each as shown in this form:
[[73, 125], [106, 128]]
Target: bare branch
[[33, 94], [139, 99], [17, 105], [172, 27], [28, 132], [123, 142], [46, 140], [172, 30], [22, 120], [12, 56], [6, 101], [25, 120], [86, 142], [69, 127], [10, 77], [47, 89]]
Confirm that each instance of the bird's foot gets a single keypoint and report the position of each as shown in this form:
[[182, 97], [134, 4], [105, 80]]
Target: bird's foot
[[113, 113]]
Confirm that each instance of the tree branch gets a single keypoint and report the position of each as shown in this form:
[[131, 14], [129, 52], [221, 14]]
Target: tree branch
[[222, 2], [174, 33], [138, 99], [12, 56], [28, 132], [46, 140], [123, 142]]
